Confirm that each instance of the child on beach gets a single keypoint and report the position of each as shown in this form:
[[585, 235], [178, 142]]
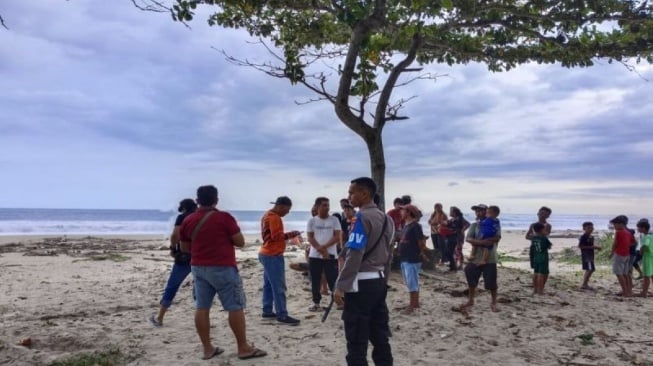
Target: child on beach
[[540, 246], [587, 247], [620, 254], [489, 227], [412, 247], [643, 228]]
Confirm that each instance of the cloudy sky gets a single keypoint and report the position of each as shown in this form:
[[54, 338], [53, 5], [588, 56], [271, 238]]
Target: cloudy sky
[[106, 106]]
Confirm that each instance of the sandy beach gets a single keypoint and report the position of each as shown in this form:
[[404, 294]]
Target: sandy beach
[[63, 297]]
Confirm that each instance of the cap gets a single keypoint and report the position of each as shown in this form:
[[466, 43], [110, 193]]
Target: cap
[[414, 211], [621, 219], [480, 206], [283, 201]]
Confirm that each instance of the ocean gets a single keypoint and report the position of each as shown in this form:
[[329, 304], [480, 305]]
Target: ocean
[[37, 221]]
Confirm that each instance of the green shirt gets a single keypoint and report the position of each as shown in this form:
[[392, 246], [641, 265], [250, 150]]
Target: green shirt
[[540, 246]]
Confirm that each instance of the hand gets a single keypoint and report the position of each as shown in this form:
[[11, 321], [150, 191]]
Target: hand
[[339, 297]]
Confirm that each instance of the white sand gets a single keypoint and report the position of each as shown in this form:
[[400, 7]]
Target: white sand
[[68, 304]]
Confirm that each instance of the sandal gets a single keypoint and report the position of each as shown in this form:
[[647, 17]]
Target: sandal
[[216, 351], [255, 353]]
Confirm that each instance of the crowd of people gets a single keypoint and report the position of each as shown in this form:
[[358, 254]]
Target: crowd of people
[[349, 257]]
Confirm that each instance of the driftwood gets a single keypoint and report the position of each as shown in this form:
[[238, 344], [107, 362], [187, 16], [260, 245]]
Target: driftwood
[[436, 277]]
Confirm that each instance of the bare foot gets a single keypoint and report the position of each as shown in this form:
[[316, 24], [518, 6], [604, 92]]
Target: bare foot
[[408, 310], [494, 308], [466, 305]]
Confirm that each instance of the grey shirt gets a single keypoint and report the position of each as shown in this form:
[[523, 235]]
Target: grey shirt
[[379, 259], [474, 232]]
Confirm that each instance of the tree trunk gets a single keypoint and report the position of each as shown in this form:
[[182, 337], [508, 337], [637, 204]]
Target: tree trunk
[[374, 144]]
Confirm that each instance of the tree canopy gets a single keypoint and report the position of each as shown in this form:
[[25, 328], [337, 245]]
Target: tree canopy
[[379, 41]]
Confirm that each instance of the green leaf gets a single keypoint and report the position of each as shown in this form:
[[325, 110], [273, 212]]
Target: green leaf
[[447, 4]]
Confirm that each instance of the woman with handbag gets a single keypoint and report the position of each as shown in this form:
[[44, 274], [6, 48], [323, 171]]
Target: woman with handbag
[[181, 267]]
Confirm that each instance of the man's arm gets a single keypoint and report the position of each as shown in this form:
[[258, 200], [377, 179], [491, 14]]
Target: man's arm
[[335, 239], [276, 228], [238, 240], [185, 246], [174, 237], [529, 233]]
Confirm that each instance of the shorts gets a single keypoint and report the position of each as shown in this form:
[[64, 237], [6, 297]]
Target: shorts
[[635, 259], [620, 265], [410, 272], [473, 273], [588, 265], [541, 268], [223, 280]]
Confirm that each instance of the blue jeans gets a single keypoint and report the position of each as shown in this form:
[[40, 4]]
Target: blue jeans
[[177, 276], [274, 285]]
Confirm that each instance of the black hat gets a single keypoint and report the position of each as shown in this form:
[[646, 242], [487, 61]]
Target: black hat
[[283, 201], [621, 219]]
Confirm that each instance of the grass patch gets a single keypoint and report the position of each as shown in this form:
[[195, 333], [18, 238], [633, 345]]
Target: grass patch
[[572, 255], [112, 357], [568, 255], [114, 257], [605, 242], [503, 257]]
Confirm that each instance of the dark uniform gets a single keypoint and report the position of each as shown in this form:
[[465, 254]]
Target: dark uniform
[[363, 279]]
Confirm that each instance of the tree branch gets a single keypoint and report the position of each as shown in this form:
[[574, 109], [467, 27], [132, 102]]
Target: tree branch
[[389, 85], [2, 23], [151, 5]]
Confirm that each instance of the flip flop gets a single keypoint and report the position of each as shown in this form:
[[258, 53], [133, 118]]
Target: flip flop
[[216, 351], [255, 353], [155, 322]]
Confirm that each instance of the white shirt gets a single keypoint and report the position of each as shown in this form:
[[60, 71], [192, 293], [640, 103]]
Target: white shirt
[[323, 230]]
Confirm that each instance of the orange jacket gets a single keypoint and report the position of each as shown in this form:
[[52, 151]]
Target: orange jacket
[[274, 239]]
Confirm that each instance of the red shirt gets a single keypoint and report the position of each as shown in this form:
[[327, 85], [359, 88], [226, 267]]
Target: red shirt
[[395, 215], [622, 241], [212, 245]]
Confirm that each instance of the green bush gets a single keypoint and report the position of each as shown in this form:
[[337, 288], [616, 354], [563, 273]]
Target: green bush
[[605, 241]]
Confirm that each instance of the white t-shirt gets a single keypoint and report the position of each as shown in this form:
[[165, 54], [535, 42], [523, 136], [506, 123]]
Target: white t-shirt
[[323, 230]]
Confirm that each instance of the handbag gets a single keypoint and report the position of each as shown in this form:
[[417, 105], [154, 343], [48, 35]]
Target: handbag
[[183, 258]]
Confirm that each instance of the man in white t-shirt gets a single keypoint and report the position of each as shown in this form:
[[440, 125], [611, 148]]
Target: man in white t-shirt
[[323, 232]]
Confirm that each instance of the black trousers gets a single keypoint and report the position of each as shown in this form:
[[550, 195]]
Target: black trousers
[[366, 320], [450, 245], [317, 266], [438, 246]]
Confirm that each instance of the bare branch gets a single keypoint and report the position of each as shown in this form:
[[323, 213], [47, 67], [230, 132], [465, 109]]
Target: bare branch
[[151, 5], [382, 107], [278, 71], [632, 68], [2, 23]]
